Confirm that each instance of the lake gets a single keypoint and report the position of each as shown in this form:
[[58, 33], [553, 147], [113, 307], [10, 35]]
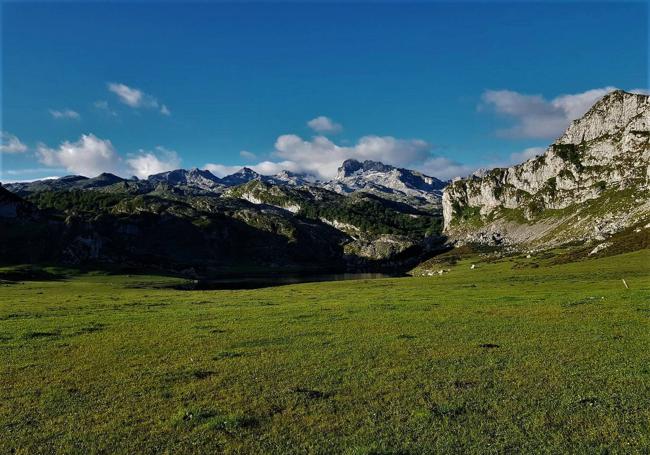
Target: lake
[[280, 280]]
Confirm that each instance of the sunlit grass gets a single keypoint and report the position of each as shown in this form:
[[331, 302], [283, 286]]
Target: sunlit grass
[[501, 358]]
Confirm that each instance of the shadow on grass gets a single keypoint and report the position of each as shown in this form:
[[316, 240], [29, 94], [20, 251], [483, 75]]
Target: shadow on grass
[[17, 273], [211, 419], [311, 394], [32, 335]]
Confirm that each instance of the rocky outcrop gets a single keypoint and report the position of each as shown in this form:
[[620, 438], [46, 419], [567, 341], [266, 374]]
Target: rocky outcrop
[[288, 178], [604, 154], [380, 248]]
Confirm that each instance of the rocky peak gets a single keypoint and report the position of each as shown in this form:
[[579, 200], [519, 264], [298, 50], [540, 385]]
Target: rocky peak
[[611, 113], [103, 179], [386, 180], [288, 174], [68, 179], [603, 155], [380, 173], [351, 167], [289, 178], [243, 175], [108, 176], [348, 168], [193, 177]]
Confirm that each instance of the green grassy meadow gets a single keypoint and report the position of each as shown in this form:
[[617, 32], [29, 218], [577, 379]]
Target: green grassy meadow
[[506, 358]]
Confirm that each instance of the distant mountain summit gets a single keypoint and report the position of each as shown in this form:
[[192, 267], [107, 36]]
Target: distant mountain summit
[[379, 178], [394, 183], [194, 177], [244, 175], [351, 167], [289, 178]]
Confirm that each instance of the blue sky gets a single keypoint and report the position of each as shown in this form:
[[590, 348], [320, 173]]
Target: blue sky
[[135, 88]]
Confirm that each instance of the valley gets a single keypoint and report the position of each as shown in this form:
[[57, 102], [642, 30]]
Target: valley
[[324, 228], [589, 190]]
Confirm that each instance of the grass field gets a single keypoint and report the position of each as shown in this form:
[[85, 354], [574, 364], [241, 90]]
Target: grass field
[[503, 358]]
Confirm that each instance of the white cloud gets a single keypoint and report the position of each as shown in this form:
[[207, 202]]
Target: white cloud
[[35, 170], [136, 98], [11, 144], [129, 96], [65, 114], [88, 156], [102, 105], [144, 163], [247, 155], [536, 117], [321, 157], [273, 167], [526, 154], [445, 168], [324, 124], [221, 170]]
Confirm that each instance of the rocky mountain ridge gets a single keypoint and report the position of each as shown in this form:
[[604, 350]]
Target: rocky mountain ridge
[[374, 177], [591, 180], [400, 184]]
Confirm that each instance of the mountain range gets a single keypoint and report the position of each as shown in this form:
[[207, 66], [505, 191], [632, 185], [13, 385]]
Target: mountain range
[[589, 190], [370, 176], [193, 220]]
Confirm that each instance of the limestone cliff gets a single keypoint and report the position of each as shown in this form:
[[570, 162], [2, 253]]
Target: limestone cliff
[[595, 174]]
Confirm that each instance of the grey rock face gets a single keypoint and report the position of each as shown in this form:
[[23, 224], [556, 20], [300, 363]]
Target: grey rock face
[[384, 246], [618, 110], [288, 178], [606, 150], [244, 175], [194, 177], [379, 178]]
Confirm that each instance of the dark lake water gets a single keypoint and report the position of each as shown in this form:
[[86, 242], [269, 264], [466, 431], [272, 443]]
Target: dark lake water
[[265, 282]]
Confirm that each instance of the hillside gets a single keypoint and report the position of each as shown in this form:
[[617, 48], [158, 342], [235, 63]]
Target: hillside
[[590, 184], [191, 222], [590, 189]]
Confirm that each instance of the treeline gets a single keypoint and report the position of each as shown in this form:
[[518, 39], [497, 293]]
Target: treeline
[[370, 214], [373, 217], [77, 200]]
